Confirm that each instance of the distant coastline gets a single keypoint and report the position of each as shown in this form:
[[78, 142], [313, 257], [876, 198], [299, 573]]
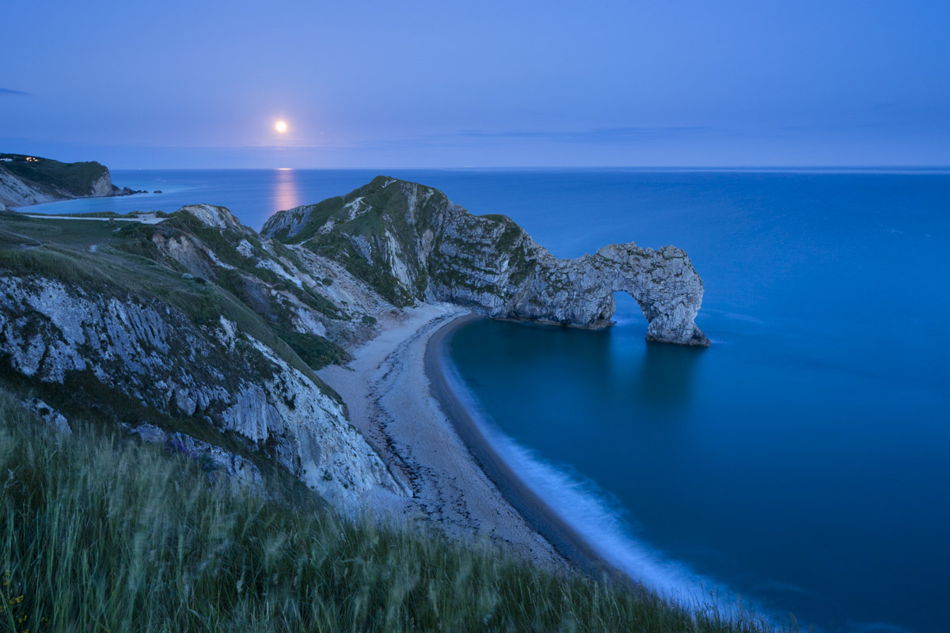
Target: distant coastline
[[31, 180]]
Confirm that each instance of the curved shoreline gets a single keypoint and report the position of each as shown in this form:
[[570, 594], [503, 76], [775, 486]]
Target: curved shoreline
[[389, 400], [537, 512]]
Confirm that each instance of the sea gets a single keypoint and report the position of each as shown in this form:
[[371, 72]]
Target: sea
[[800, 465]]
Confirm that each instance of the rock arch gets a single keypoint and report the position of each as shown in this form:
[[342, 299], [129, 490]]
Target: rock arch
[[410, 243], [580, 292]]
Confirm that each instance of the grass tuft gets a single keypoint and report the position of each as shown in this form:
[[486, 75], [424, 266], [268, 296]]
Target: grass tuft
[[99, 533]]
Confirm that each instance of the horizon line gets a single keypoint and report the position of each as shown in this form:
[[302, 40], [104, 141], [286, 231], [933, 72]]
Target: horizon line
[[558, 167]]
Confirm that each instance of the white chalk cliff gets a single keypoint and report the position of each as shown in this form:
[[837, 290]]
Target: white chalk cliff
[[28, 180], [410, 243]]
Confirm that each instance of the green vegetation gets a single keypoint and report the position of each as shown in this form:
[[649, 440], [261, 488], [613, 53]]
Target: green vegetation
[[364, 243], [123, 265], [73, 178], [224, 244], [98, 533], [319, 214], [316, 351], [339, 248], [510, 234], [75, 233], [382, 210]]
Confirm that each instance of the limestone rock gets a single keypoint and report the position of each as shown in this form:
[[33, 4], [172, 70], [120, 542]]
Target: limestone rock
[[293, 289], [102, 186], [48, 414], [410, 244], [213, 216], [15, 192], [213, 458], [121, 353], [28, 180]]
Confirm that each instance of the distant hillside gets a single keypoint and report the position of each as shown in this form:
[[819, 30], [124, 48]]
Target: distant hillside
[[26, 180]]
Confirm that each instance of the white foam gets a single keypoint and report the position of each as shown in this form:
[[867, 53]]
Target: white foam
[[579, 504], [735, 316]]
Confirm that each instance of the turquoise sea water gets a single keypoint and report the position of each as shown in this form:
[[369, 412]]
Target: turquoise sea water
[[802, 461]]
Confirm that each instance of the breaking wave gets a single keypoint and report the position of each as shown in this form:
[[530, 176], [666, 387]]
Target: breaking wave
[[578, 503]]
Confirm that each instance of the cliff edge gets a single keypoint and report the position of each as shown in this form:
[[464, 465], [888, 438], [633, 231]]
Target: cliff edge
[[26, 180], [193, 333]]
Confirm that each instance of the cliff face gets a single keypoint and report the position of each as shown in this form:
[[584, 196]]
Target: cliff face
[[411, 244], [118, 330], [295, 291], [15, 191], [26, 180]]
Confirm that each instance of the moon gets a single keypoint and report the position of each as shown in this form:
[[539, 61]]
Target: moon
[[280, 126]]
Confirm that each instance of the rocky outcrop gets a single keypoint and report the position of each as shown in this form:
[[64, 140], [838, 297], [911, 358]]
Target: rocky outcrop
[[213, 216], [17, 192], [144, 361], [410, 243], [53, 418], [27, 180], [213, 459], [296, 291]]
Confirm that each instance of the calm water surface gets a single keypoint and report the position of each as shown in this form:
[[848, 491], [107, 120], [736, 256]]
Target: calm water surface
[[803, 460]]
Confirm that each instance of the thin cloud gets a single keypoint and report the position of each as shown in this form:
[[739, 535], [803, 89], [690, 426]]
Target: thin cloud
[[597, 135], [10, 91]]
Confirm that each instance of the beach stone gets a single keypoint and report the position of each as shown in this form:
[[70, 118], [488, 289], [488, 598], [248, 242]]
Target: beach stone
[[49, 415]]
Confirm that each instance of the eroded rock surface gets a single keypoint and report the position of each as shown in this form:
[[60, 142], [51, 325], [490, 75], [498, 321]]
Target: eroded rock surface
[[130, 356], [28, 180], [410, 243]]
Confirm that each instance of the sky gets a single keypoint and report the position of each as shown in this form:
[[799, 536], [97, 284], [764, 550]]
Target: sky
[[200, 83]]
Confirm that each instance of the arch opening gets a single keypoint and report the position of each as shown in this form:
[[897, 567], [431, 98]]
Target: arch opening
[[627, 312]]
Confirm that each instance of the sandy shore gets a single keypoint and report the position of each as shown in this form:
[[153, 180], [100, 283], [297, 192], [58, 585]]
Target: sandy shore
[[144, 218], [387, 393]]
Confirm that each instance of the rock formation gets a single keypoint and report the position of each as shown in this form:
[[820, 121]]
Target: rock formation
[[410, 243], [195, 333], [26, 180], [138, 355]]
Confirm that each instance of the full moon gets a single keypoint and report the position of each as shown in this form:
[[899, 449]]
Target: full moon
[[280, 126]]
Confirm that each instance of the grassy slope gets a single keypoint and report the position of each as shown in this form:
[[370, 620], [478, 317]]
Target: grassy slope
[[60, 249], [386, 211], [101, 534]]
